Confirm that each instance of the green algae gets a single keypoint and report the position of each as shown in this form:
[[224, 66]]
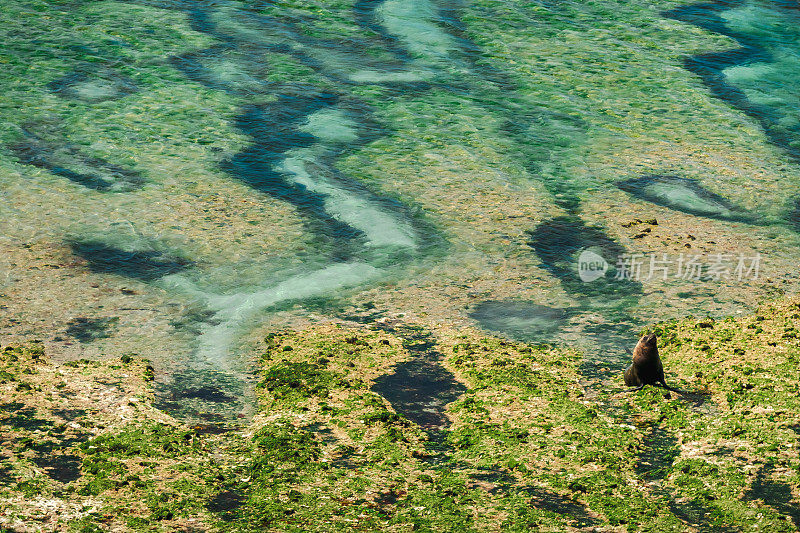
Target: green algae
[[531, 445], [554, 105]]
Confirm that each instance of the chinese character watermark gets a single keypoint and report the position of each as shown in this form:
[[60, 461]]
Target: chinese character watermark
[[643, 267]]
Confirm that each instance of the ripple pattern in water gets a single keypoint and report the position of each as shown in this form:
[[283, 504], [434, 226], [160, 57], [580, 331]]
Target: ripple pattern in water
[[406, 148]]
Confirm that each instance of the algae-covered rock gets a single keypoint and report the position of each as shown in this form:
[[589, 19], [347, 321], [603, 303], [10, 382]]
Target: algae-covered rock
[[529, 440]]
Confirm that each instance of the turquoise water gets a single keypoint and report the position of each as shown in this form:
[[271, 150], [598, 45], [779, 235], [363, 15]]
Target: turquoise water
[[760, 76], [181, 177]]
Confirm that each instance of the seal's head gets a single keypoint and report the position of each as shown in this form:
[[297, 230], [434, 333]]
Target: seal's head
[[649, 340], [646, 349]]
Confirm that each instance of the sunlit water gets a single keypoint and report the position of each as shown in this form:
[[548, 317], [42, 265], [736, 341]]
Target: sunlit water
[[275, 162]]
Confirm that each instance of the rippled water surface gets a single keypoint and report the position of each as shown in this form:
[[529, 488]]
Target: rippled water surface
[[179, 178]]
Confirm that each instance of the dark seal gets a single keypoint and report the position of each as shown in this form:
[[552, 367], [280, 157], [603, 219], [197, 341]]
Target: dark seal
[[646, 368]]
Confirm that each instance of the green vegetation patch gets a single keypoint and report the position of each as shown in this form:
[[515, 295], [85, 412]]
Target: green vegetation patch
[[530, 445], [83, 437]]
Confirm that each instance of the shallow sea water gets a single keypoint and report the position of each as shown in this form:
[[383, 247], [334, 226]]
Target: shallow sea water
[[178, 178]]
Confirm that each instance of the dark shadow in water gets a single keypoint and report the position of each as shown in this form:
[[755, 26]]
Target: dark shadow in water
[[793, 218], [710, 67], [247, 78], [421, 388], [144, 264], [521, 320], [92, 84], [274, 128], [182, 5], [558, 243], [540, 134], [216, 400], [450, 19], [68, 162], [787, 4], [364, 16], [659, 451], [90, 329], [684, 195], [206, 393], [775, 494]]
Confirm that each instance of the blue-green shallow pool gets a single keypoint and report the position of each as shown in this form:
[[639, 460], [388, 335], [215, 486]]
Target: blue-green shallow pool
[[178, 178]]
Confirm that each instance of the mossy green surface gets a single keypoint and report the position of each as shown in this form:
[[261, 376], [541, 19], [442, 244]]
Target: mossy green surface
[[556, 100], [531, 445], [528, 446]]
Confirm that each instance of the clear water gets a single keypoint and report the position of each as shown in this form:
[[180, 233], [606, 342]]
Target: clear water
[[179, 178]]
